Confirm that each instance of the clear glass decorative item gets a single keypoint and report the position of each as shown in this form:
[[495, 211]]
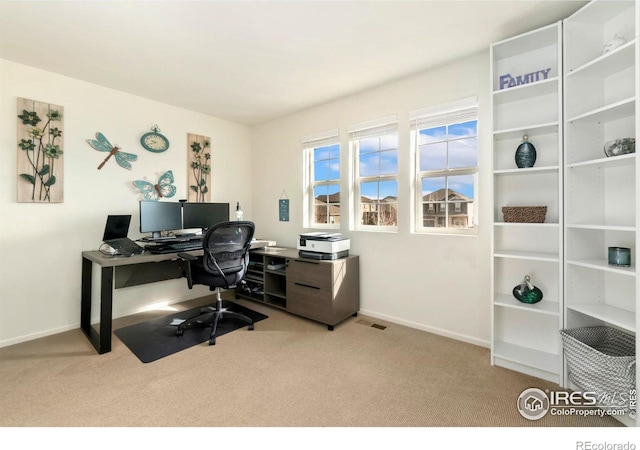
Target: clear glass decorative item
[[527, 292], [615, 42], [526, 153], [617, 147]]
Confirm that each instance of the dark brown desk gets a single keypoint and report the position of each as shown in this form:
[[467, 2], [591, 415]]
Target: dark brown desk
[[119, 272]]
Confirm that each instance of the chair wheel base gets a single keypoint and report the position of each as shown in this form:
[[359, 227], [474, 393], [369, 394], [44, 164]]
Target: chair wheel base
[[179, 332], [250, 327], [212, 341]]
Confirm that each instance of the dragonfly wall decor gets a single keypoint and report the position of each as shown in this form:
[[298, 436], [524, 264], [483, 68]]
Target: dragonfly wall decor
[[103, 145]]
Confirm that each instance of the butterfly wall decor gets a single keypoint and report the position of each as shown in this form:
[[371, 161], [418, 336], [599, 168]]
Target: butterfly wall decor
[[103, 145], [164, 188]]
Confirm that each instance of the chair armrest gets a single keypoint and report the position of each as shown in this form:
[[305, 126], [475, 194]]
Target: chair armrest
[[184, 261]]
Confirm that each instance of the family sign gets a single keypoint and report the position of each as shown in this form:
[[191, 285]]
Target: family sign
[[509, 81]]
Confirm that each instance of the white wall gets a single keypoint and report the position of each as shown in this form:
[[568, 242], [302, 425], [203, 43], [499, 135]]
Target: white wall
[[40, 244], [432, 282]]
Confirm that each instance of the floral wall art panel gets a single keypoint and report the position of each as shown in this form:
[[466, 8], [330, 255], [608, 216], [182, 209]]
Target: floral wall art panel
[[199, 170], [40, 152]]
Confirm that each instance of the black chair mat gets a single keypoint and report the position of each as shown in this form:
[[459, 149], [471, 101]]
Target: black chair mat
[[155, 339]]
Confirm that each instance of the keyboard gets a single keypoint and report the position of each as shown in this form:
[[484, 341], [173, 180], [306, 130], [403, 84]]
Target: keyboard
[[175, 247], [189, 245], [158, 239]]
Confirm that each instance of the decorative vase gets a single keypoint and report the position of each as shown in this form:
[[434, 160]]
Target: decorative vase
[[619, 147], [526, 153], [619, 256], [527, 292]]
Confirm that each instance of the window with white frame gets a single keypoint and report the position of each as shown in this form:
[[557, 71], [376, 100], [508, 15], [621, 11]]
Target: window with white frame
[[322, 156], [445, 143], [374, 148]]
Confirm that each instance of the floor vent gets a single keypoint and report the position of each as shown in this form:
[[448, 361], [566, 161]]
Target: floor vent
[[370, 324]]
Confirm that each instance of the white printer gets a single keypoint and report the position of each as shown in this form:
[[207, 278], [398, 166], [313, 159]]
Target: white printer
[[320, 245]]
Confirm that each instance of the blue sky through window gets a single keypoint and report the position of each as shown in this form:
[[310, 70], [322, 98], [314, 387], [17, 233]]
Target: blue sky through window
[[378, 156], [445, 147], [326, 163], [379, 189], [449, 147]]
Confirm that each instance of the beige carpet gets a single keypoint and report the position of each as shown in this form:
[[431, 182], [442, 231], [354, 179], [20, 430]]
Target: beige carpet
[[288, 372]]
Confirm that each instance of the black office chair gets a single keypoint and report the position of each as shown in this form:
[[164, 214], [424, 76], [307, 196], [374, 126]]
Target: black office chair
[[223, 265]]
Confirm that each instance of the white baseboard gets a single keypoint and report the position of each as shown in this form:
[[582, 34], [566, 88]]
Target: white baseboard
[[40, 334], [422, 327], [76, 325], [410, 324]]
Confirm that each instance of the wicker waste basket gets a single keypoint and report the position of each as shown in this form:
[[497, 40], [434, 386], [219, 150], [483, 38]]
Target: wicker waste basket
[[602, 360]]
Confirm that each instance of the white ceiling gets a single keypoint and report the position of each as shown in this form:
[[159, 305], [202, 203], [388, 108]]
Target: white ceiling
[[253, 61]]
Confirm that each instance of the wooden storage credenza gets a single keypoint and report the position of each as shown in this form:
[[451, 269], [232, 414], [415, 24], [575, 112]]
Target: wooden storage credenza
[[324, 291]]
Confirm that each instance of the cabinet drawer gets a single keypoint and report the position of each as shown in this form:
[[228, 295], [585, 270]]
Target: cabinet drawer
[[310, 273], [310, 302]]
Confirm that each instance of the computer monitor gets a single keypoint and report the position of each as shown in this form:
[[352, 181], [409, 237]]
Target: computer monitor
[[204, 215], [156, 217]]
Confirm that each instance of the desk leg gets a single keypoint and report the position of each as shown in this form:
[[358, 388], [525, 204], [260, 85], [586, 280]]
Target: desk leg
[[101, 341]]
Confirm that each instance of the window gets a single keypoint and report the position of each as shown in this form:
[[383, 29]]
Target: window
[[374, 148], [445, 141], [322, 156]]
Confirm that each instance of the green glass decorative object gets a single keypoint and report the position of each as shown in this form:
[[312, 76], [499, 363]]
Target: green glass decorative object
[[619, 256], [525, 153], [527, 292]]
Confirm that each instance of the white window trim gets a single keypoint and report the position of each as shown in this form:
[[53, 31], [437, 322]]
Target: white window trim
[[309, 143], [434, 116], [356, 132]]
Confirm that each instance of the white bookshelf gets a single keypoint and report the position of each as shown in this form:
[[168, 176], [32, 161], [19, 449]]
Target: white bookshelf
[[526, 337], [600, 193]]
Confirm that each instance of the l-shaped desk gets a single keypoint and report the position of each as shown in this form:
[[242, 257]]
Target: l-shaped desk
[[120, 272]]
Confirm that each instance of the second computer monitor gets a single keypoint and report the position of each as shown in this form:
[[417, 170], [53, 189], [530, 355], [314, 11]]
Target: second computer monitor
[[204, 215], [156, 217]]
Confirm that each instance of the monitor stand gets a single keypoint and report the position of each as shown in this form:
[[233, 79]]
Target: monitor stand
[[157, 236]]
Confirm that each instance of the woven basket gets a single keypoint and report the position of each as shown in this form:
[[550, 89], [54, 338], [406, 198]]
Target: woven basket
[[602, 360], [527, 214]]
